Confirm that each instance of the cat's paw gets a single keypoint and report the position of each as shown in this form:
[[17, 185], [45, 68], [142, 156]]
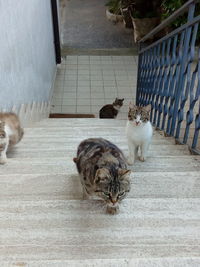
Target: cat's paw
[[112, 210], [3, 161], [85, 196], [130, 161], [141, 158]]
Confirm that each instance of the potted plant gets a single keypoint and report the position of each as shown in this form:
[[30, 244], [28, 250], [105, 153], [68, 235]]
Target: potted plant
[[113, 11], [125, 11], [144, 17]]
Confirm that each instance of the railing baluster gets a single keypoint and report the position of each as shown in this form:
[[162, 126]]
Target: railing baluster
[[170, 80], [164, 82], [188, 87], [167, 79]]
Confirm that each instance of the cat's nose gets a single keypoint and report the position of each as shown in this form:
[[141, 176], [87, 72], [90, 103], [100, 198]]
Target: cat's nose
[[137, 122], [114, 201]]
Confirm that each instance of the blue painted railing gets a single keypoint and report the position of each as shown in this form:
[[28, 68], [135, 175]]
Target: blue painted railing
[[169, 79]]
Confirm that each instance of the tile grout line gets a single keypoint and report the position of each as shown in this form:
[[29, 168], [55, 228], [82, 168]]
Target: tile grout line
[[90, 84], [103, 82], [77, 73], [116, 83]]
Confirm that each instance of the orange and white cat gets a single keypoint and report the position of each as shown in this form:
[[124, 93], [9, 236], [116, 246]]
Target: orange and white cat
[[10, 133]]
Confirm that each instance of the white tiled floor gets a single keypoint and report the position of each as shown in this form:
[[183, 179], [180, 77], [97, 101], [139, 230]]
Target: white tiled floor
[[85, 83]]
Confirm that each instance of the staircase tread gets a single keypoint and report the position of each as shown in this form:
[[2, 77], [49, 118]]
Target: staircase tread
[[45, 222], [148, 262]]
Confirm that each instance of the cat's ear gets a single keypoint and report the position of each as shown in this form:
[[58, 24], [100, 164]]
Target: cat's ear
[[116, 99], [132, 106], [124, 174], [75, 160], [122, 99], [148, 108], [101, 175]]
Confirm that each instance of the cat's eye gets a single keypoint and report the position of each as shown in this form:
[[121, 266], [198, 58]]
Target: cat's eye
[[121, 194], [106, 194]]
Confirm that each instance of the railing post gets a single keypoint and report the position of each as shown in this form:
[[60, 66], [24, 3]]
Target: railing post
[[180, 83], [138, 74]]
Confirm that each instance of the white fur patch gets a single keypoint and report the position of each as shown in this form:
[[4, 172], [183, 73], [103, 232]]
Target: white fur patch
[[139, 134], [117, 107], [8, 131]]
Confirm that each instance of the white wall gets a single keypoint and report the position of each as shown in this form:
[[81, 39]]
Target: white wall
[[27, 58]]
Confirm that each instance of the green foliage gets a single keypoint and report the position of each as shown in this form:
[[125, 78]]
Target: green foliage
[[170, 6], [114, 6], [144, 9], [140, 15], [127, 3]]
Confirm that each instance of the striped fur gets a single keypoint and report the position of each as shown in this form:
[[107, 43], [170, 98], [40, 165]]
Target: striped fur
[[103, 171]]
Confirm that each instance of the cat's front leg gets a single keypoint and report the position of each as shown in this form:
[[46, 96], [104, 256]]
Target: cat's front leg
[[85, 194], [132, 153], [3, 150], [3, 157], [144, 149]]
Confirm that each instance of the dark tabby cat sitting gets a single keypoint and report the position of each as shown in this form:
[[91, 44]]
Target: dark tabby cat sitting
[[103, 171], [110, 111]]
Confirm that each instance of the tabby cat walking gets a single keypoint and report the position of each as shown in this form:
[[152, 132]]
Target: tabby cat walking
[[103, 171], [10, 133]]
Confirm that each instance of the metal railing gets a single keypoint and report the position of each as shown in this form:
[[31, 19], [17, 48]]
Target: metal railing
[[169, 78]]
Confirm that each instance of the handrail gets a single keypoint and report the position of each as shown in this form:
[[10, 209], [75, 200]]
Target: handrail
[[171, 34], [170, 19]]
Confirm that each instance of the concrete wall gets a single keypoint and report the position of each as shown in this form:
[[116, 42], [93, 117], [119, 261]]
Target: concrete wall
[[27, 58]]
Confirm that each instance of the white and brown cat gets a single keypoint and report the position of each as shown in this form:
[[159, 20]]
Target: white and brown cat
[[110, 111], [139, 132], [10, 133]]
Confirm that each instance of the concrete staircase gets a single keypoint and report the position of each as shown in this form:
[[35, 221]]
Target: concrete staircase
[[44, 221]]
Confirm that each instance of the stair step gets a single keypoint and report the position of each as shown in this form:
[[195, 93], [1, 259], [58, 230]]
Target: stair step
[[53, 230], [81, 122], [44, 151], [45, 222], [60, 165], [67, 186], [138, 262], [69, 141]]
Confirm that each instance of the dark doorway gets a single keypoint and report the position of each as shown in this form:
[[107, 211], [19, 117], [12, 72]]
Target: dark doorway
[[54, 9]]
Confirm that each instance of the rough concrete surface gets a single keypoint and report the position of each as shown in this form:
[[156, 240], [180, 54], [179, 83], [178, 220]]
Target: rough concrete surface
[[85, 26]]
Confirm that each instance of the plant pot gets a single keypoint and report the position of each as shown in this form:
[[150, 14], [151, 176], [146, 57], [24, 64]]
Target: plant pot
[[113, 17], [143, 26], [126, 17]]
